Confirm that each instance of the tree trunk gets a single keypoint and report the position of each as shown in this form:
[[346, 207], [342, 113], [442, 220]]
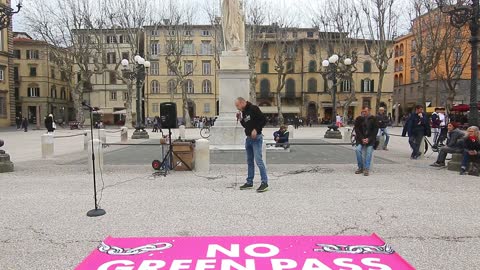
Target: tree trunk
[[186, 114], [381, 76], [128, 107], [279, 108], [253, 91], [423, 86], [77, 104]]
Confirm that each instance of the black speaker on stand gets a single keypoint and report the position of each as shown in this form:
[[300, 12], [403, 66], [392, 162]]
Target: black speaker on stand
[[168, 120]]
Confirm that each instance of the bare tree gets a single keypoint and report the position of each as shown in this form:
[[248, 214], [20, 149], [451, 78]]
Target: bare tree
[[429, 40], [454, 60], [179, 45], [71, 25], [381, 28]]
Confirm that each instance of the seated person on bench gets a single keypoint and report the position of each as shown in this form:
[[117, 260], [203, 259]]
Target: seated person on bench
[[281, 137], [471, 149], [455, 140]]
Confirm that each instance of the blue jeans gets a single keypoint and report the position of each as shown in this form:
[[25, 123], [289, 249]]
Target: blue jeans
[[364, 163], [384, 132], [467, 158], [254, 155], [415, 141]]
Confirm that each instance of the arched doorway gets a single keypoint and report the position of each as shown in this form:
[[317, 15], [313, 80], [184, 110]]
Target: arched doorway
[[312, 112], [191, 109]]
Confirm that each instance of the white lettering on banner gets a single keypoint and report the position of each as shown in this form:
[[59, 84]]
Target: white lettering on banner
[[205, 264], [126, 265], [281, 264], [152, 265], [231, 265], [346, 262], [314, 264], [233, 252], [273, 250], [374, 262], [180, 264]]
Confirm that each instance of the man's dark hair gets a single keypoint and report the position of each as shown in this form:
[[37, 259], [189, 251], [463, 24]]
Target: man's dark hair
[[365, 107], [418, 107]]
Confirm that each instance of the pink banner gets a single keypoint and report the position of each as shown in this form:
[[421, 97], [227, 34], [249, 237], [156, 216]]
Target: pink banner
[[245, 253]]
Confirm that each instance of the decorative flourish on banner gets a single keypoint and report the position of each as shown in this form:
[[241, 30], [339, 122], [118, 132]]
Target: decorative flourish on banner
[[358, 249], [118, 251]]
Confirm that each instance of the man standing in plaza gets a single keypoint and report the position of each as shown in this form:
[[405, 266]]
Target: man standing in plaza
[[383, 122], [416, 127], [366, 129], [253, 120]]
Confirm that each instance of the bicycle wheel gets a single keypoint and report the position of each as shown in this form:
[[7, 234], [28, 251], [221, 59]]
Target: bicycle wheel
[[205, 133], [426, 145]]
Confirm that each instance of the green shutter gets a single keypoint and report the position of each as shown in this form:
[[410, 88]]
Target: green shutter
[[362, 87], [372, 86]]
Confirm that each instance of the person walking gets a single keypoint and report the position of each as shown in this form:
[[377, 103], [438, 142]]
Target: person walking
[[471, 150], [25, 124], [18, 121], [416, 127], [435, 123], [383, 123], [49, 123], [366, 129], [253, 121], [455, 141]]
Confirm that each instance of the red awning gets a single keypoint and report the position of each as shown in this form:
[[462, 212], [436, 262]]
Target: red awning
[[463, 108]]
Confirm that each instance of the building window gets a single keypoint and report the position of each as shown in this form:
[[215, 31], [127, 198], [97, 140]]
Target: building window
[[367, 85], [63, 76], [155, 87], [155, 108], [33, 71], [312, 85], [52, 73], [16, 75], [290, 88], [125, 39], [291, 51], [206, 87], [113, 95], [313, 49], [53, 92], [155, 68], [206, 108], [188, 48], [125, 95], [2, 74], [346, 86], [312, 66], [412, 76], [290, 67], [33, 54], [206, 68], [111, 58], [265, 51], [17, 54], [264, 69], [154, 32], [367, 67], [154, 48], [171, 71], [113, 77], [414, 46], [172, 86], [367, 102], [17, 93], [33, 92], [126, 55], [3, 105], [413, 61], [310, 34], [265, 88], [188, 67], [189, 87], [205, 33], [172, 33], [206, 48], [111, 39], [63, 93]]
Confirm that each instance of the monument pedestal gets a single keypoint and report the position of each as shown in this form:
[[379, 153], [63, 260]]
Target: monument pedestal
[[5, 164], [234, 82]]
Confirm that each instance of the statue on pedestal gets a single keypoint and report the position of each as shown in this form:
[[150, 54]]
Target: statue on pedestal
[[5, 164], [233, 23]]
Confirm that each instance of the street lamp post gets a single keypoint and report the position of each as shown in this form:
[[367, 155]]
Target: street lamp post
[[6, 14], [460, 15], [331, 67], [139, 75]]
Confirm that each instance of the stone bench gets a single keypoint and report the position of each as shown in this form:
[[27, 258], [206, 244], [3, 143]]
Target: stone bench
[[455, 163]]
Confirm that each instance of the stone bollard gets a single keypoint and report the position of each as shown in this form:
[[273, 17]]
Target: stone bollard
[[47, 145], [182, 131], [102, 135], [347, 135], [86, 140], [202, 156], [124, 135], [97, 147], [5, 164], [291, 131]]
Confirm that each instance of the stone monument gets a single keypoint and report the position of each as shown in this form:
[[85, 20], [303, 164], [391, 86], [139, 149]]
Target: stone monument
[[5, 164], [234, 76]]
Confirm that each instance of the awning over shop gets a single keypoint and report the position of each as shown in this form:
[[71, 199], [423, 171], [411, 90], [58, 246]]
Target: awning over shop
[[121, 112], [273, 109]]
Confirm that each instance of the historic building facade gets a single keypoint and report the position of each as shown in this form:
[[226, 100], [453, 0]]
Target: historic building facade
[[7, 97], [40, 85]]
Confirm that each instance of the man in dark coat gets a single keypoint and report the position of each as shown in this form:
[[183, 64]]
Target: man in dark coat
[[417, 127], [253, 120], [366, 129], [455, 141], [25, 124], [383, 123], [49, 123]]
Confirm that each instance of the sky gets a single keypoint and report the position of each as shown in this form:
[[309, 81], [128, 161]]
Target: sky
[[296, 8]]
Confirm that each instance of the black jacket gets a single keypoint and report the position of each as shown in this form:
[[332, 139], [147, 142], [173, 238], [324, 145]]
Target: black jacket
[[366, 129], [252, 118], [417, 126], [472, 145], [383, 120]]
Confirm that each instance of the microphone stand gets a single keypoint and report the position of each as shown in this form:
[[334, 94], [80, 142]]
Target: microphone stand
[[96, 212]]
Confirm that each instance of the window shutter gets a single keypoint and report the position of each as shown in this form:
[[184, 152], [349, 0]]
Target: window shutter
[[372, 86], [362, 86], [342, 86]]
